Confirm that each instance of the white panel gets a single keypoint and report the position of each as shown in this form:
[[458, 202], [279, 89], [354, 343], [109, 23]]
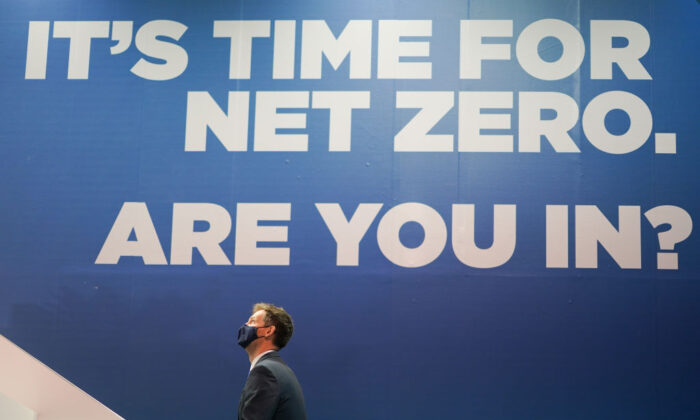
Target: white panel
[[33, 385], [11, 409]]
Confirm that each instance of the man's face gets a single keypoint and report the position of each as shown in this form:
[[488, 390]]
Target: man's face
[[257, 333], [264, 331]]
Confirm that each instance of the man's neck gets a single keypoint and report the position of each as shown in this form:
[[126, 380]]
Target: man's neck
[[253, 353], [258, 358]]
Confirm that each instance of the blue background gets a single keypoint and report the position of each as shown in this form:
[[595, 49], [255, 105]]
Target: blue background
[[375, 341]]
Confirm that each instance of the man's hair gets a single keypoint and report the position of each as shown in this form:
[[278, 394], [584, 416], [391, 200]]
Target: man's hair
[[277, 316]]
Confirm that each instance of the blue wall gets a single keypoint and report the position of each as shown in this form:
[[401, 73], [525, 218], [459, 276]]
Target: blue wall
[[376, 340]]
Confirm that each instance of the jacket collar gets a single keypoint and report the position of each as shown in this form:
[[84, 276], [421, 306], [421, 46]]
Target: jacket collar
[[264, 356], [273, 353]]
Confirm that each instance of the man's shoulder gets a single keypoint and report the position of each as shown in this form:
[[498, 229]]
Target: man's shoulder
[[271, 361], [261, 375], [276, 365]]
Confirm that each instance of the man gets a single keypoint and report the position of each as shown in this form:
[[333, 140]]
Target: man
[[272, 391]]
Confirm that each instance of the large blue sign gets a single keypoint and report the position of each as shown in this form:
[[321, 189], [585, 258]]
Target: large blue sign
[[471, 209]]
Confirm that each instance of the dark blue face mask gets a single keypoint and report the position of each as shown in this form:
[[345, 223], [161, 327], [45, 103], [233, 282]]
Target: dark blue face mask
[[248, 334]]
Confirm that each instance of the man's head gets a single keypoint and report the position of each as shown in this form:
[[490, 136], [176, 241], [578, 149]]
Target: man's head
[[274, 325]]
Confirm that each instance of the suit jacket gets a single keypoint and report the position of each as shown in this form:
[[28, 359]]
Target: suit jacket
[[271, 392]]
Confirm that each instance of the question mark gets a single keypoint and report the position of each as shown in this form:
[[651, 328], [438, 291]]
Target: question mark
[[681, 226]]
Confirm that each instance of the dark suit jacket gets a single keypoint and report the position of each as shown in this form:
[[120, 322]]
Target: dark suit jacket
[[272, 392]]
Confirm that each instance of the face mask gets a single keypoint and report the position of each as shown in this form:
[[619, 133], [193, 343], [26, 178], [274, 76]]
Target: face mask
[[247, 334]]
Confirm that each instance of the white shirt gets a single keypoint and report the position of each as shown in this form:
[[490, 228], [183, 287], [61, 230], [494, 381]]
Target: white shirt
[[252, 364]]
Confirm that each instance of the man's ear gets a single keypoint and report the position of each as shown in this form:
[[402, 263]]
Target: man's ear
[[272, 330]]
